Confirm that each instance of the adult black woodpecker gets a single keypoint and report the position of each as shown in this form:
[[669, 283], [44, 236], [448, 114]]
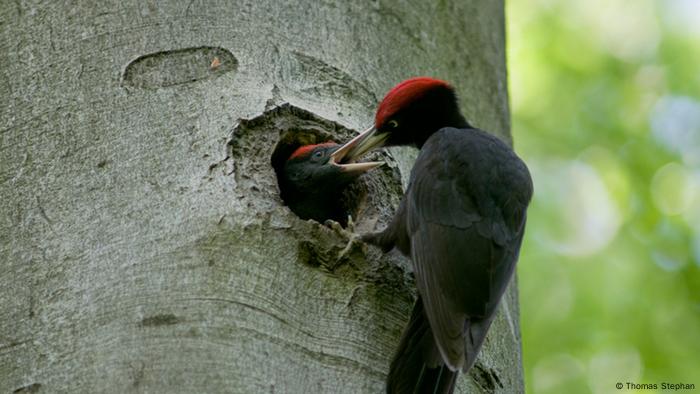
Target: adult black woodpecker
[[313, 179], [461, 221]]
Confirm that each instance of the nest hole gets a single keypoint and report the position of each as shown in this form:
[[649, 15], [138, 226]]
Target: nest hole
[[334, 205]]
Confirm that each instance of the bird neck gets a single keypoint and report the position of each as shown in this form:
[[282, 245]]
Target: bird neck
[[450, 119]]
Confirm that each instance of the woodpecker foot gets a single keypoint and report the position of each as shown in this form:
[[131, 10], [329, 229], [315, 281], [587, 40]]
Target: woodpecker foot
[[353, 240], [379, 240], [344, 232]]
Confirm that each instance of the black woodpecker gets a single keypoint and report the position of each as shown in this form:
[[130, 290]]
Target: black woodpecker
[[461, 221], [313, 179]]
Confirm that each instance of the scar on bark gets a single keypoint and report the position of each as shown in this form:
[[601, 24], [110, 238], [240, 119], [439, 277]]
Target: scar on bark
[[179, 66]]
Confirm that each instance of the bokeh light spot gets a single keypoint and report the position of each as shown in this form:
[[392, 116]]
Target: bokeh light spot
[[673, 189], [577, 194]]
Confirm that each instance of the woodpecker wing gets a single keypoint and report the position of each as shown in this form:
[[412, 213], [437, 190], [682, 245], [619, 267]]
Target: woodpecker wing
[[465, 216]]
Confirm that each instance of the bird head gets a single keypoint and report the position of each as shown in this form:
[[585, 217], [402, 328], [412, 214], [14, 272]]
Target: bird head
[[319, 166], [410, 113]]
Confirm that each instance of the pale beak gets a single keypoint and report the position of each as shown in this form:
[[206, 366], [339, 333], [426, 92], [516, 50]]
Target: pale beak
[[358, 146], [346, 155]]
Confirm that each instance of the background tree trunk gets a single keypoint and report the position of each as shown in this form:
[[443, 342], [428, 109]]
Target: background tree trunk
[[144, 245]]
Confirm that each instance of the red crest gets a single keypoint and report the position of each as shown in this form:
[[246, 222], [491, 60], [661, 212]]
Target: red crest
[[402, 94], [306, 149]]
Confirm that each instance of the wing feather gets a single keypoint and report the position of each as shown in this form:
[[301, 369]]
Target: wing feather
[[465, 223]]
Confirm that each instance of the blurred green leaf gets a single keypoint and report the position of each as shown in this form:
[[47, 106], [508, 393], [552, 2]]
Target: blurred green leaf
[[606, 112]]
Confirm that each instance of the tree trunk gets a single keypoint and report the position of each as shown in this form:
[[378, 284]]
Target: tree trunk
[[144, 244]]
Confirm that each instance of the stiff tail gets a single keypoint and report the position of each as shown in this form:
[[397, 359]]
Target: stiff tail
[[417, 366]]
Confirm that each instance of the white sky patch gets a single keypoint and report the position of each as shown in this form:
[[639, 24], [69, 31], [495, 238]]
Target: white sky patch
[[682, 15], [675, 123]]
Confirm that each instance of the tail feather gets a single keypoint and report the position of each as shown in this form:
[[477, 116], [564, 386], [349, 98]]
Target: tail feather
[[417, 366]]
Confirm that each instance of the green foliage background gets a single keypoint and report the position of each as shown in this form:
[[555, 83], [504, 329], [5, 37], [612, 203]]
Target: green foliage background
[[605, 98]]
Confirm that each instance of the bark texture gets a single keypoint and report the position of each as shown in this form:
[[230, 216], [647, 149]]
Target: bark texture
[[144, 247]]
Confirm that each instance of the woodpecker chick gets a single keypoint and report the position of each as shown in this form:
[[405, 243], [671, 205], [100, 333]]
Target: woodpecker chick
[[313, 180], [461, 221]]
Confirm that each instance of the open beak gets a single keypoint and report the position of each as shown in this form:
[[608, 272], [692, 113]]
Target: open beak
[[354, 149]]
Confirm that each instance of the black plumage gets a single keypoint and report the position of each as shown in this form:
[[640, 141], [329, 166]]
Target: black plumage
[[461, 221], [312, 181]]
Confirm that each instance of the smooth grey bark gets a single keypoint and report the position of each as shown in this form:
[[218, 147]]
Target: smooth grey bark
[[143, 245]]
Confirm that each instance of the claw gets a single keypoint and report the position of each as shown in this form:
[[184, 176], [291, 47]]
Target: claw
[[351, 224], [349, 234], [352, 241]]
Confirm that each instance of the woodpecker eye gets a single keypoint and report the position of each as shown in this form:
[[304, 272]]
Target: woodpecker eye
[[318, 154], [393, 124]]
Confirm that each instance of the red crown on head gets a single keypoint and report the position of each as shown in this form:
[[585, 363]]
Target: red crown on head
[[306, 149], [403, 94]]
